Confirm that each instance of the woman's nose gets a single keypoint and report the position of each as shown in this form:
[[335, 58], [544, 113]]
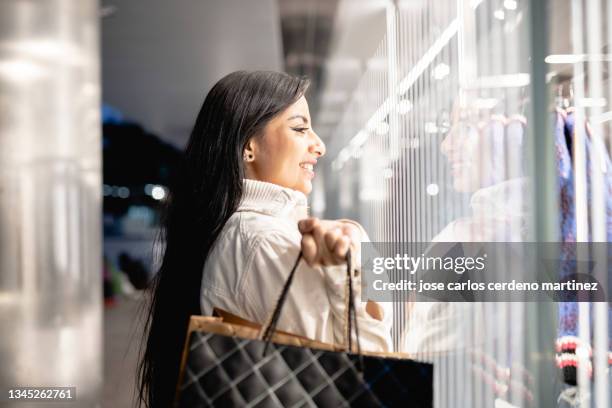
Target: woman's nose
[[317, 147], [445, 146]]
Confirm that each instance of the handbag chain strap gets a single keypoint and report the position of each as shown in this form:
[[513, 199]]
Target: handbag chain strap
[[350, 317]]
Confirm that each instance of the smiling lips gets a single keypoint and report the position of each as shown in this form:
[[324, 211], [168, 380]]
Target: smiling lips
[[309, 168]]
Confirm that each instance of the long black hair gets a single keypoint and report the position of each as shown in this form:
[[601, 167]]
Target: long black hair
[[205, 193]]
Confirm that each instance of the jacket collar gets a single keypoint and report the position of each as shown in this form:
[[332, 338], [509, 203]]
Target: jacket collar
[[272, 199]]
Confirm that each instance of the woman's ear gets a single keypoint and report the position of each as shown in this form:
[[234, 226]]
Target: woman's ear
[[248, 154]]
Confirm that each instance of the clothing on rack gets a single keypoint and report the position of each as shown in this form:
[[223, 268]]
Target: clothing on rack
[[592, 147], [565, 143]]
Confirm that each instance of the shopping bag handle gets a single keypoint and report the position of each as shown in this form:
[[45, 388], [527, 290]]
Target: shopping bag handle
[[350, 316]]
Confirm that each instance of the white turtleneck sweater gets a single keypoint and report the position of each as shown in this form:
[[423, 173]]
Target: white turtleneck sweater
[[252, 257]]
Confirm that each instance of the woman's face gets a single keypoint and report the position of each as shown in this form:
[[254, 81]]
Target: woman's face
[[287, 151], [468, 150], [462, 148]]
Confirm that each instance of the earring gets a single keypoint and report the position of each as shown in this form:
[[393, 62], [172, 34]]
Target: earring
[[247, 157]]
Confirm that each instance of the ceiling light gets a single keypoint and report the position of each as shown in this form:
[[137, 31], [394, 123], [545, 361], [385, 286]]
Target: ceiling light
[[503, 81], [430, 127], [441, 71], [433, 189], [475, 3], [604, 117], [429, 56], [510, 4], [344, 155], [359, 139], [158, 192], [563, 59], [591, 102], [20, 71]]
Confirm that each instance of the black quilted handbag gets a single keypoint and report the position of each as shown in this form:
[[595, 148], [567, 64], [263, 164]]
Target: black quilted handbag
[[238, 364]]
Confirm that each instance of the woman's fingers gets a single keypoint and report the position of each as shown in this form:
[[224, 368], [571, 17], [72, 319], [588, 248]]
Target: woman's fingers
[[326, 242], [334, 240], [308, 224], [331, 238], [323, 253], [352, 233], [342, 247], [309, 249], [375, 310]]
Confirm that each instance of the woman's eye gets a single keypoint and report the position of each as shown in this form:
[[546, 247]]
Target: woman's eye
[[300, 130]]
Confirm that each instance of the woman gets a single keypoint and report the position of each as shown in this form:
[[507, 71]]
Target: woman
[[236, 222]]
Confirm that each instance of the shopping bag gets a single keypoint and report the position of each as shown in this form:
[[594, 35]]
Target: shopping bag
[[231, 362]]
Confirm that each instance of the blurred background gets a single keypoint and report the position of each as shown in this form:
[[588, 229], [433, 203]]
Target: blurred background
[[453, 120]]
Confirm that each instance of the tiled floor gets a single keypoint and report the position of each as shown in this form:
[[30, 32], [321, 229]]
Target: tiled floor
[[121, 342]]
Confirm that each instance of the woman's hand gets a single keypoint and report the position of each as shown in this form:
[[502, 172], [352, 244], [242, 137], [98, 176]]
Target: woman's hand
[[326, 242]]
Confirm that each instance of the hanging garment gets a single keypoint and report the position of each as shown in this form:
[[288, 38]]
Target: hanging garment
[[565, 176], [565, 142], [592, 147], [568, 311]]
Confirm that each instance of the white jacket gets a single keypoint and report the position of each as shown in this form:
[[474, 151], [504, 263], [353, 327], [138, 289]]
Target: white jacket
[[252, 257]]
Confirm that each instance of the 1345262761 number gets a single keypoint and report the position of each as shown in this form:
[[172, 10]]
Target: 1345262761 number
[[40, 393]]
